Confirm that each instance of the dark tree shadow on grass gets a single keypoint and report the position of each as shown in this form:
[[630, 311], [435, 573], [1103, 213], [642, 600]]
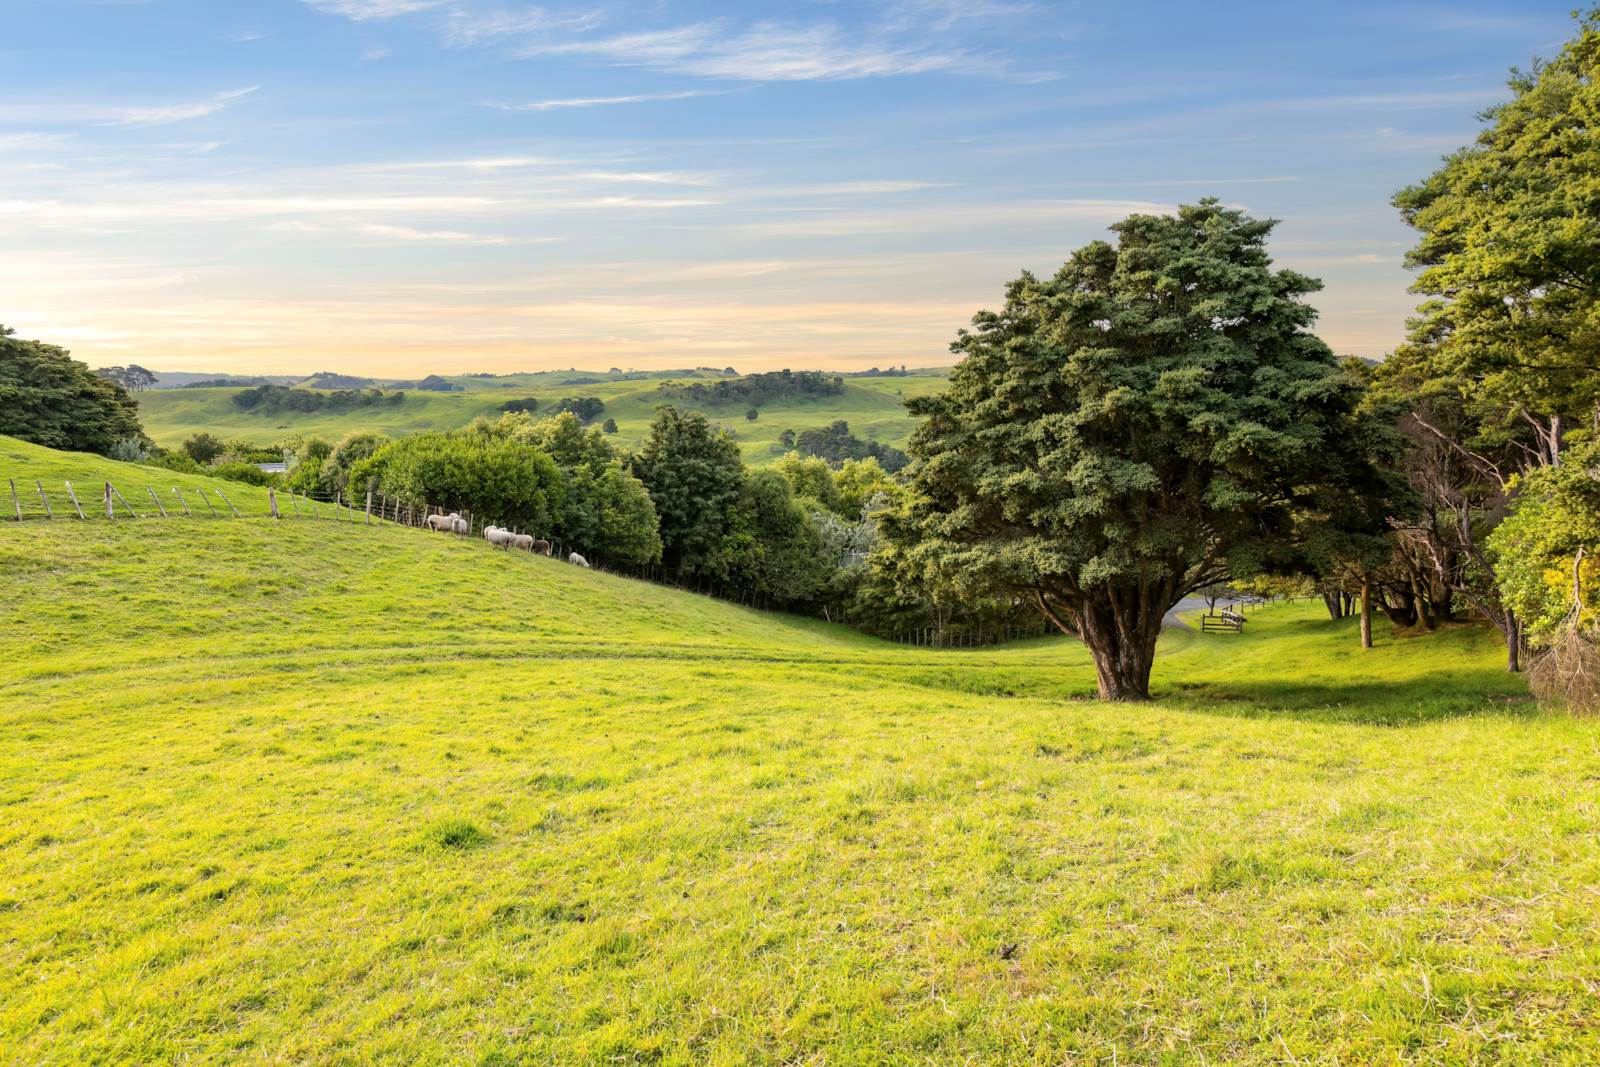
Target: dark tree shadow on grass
[[1412, 702]]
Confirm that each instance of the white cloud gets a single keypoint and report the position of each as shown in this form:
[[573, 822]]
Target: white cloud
[[160, 115], [123, 115], [366, 10], [767, 51], [605, 101], [456, 237]]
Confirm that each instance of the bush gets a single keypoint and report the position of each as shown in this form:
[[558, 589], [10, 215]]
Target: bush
[[175, 461], [203, 448], [128, 450], [248, 473], [610, 426]]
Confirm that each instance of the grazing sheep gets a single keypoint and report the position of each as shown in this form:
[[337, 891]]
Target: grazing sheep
[[577, 560], [462, 525], [522, 541], [497, 537], [542, 547], [451, 523]]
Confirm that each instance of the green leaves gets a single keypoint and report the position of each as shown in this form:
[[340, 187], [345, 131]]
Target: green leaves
[[1149, 414]]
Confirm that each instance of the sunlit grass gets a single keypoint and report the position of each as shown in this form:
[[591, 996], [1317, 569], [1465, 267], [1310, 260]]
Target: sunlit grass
[[309, 792]]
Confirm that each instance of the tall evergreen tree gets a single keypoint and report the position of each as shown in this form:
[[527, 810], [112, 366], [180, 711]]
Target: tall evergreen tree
[[51, 399], [1154, 418]]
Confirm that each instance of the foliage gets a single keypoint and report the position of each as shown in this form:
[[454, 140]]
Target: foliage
[[129, 450], [174, 460], [1155, 418], [860, 482], [497, 479], [51, 399], [1511, 256], [248, 473], [133, 378], [609, 426], [835, 443], [307, 457], [272, 399], [810, 478], [755, 390], [752, 414], [695, 479], [355, 448], [1547, 551], [586, 408]]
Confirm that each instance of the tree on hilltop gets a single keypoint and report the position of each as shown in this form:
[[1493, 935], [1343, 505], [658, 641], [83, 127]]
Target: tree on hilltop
[[51, 399]]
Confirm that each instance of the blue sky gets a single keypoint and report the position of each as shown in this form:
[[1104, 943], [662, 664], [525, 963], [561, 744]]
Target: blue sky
[[416, 186]]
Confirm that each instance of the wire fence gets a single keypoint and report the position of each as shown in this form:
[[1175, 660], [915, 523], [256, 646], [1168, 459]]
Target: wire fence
[[105, 501]]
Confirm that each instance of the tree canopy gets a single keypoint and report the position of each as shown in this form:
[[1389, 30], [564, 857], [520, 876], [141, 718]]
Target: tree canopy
[[1154, 418], [51, 399]]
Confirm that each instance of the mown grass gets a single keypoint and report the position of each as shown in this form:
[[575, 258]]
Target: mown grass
[[318, 792], [874, 407]]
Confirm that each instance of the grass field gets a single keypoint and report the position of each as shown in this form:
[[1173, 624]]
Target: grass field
[[328, 793], [874, 407]]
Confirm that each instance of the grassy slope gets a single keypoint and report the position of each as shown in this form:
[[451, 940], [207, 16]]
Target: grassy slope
[[322, 792], [872, 406], [26, 464]]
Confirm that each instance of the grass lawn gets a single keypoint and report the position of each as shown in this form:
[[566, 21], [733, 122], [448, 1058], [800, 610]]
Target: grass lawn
[[328, 793]]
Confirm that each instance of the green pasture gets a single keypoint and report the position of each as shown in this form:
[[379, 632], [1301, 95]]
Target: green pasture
[[306, 791], [874, 407]]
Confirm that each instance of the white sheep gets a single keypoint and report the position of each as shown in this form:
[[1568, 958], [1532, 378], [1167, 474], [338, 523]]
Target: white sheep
[[577, 560]]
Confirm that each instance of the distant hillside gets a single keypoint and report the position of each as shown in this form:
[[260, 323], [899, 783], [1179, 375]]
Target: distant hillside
[[872, 407]]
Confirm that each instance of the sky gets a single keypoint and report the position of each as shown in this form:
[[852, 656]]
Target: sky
[[404, 187]]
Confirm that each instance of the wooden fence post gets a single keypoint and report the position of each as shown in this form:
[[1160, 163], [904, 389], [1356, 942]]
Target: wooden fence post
[[336, 497], [202, 491], [109, 513], [157, 501], [44, 500], [369, 507], [120, 497], [272, 499], [228, 502], [15, 503], [182, 503], [293, 503], [75, 503]]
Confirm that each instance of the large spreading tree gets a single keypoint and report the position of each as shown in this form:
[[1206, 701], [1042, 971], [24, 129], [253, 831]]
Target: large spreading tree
[[51, 399], [1155, 418]]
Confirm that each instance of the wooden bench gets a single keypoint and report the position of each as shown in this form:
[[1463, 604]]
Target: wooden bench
[[1224, 620]]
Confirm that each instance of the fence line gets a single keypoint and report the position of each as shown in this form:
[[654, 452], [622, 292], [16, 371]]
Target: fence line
[[380, 508]]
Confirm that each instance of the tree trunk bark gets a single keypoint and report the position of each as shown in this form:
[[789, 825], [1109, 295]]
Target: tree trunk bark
[[1122, 642], [1332, 601], [1513, 642], [1366, 612]]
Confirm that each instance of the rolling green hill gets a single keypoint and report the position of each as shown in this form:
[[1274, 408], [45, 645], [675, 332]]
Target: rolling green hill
[[874, 407], [321, 792]]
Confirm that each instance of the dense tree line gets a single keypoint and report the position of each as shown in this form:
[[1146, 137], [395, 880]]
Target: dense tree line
[[755, 390], [272, 399], [835, 443]]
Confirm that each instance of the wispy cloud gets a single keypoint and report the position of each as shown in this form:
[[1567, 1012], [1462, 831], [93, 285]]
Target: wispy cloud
[[368, 10], [162, 114], [606, 101], [767, 51], [454, 237], [123, 115]]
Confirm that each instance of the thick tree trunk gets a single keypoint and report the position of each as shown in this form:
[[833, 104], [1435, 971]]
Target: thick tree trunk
[[1366, 612], [1334, 603], [1513, 642], [1120, 632]]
